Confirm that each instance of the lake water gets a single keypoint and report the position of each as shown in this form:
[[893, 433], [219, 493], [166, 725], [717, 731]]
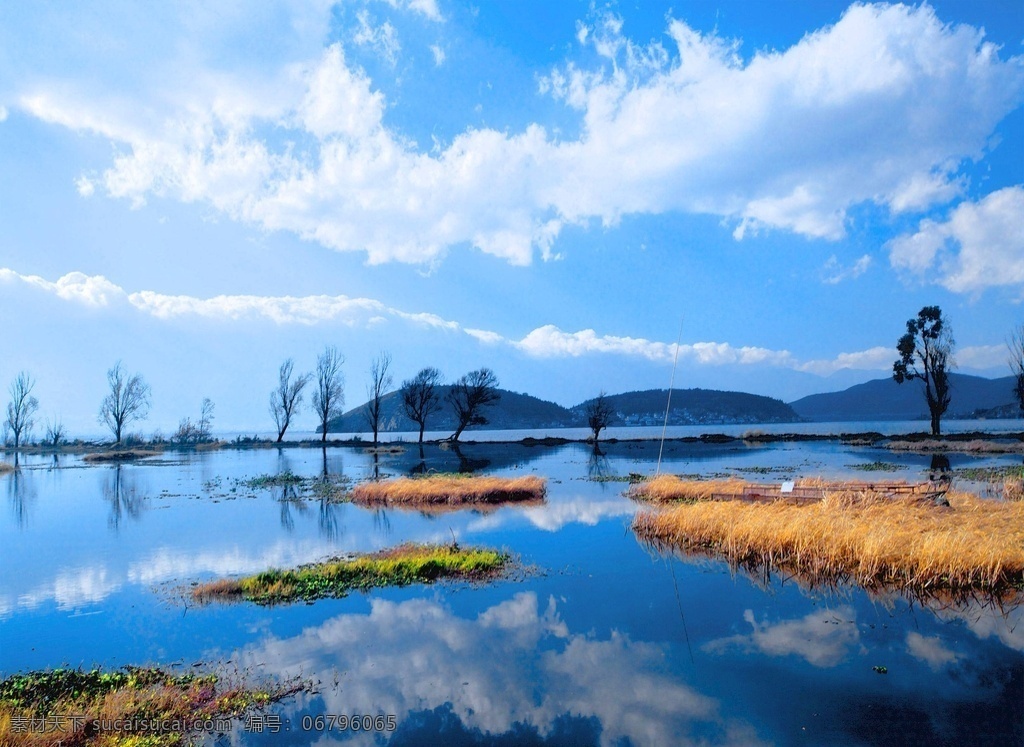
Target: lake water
[[885, 427], [603, 641]]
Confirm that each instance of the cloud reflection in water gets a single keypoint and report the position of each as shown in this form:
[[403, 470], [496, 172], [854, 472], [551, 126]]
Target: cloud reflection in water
[[512, 665]]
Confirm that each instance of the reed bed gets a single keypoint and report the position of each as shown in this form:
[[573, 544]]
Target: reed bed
[[450, 490], [5, 467], [671, 489], [399, 566], [161, 708], [976, 446], [1013, 489], [872, 540]]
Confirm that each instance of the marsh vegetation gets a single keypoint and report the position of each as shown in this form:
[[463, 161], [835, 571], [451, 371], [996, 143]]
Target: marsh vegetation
[[134, 706], [854, 534], [399, 566], [450, 490]]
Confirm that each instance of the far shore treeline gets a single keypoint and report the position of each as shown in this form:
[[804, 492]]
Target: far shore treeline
[[426, 402]]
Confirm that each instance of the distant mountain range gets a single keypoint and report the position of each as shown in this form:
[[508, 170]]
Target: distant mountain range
[[881, 399], [512, 411], [884, 399], [693, 407], [521, 411]]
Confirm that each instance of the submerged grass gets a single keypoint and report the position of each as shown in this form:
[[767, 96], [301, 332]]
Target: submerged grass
[[400, 566], [447, 490], [878, 467], [1014, 471], [281, 479], [150, 707], [120, 455], [859, 536]]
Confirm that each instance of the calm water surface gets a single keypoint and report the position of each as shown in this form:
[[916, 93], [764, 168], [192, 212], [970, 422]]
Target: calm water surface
[[604, 641]]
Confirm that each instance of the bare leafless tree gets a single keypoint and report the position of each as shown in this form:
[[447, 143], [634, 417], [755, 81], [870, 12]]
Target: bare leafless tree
[[127, 400], [329, 397], [205, 426], [420, 398], [469, 395], [380, 383], [1016, 346], [599, 414], [22, 408], [286, 399], [55, 432], [198, 432]]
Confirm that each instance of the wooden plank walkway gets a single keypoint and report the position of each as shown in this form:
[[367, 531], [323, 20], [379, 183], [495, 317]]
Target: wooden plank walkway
[[767, 492]]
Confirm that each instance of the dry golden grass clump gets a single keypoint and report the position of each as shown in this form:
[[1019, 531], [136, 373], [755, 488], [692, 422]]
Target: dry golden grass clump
[[449, 490], [976, 446], [867, 538], [669, 488], [1013, 489]]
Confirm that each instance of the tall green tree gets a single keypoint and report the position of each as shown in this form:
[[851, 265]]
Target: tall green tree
[[926, 353]]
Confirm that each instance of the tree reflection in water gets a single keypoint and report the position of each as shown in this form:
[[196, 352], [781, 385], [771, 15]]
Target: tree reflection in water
[[20, 494], [598, 466], [290, 499], [122, 493]]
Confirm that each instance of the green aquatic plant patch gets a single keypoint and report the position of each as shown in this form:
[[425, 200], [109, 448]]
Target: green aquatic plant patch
[[1015, 471], [400, 566], [132, 706], [878, 467]]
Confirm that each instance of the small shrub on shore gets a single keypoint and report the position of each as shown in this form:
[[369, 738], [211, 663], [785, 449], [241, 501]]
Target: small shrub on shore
[[400, 566], [449, 490]]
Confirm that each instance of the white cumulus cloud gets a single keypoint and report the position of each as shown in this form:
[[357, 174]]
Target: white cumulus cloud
[[547, 341], [880, 107], [835, 273], [980, 245], [382, 39]]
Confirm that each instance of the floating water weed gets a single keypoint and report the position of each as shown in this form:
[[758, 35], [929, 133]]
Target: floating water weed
[[400, 566]]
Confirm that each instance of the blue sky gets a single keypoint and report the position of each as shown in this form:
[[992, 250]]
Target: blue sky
[[548, 189]]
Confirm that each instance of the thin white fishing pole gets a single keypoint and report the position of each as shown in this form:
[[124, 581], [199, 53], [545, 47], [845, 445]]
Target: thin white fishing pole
[[668, 403]]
